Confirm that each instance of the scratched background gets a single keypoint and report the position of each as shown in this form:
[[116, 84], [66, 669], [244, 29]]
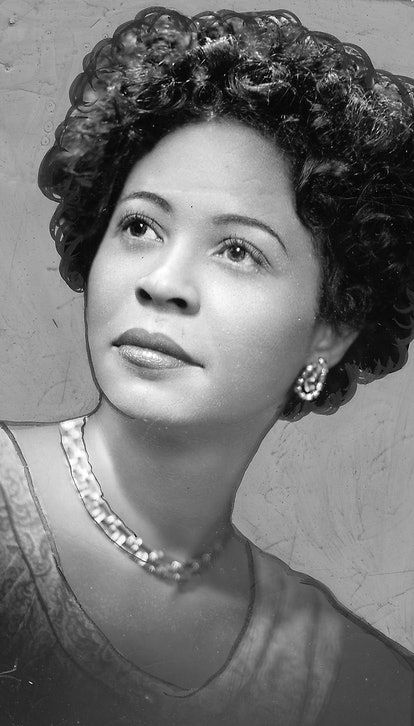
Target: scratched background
[[332, 497]]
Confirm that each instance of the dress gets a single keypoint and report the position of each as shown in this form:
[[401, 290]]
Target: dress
[[300, 660]]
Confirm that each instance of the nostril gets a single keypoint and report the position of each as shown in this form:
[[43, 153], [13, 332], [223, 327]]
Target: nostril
[[180, 303], [143, 294]]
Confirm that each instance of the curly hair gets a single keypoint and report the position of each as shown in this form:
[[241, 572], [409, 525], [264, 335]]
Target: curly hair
[[347, 128]]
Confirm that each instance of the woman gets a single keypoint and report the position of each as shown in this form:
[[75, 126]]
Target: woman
[[236, 202]]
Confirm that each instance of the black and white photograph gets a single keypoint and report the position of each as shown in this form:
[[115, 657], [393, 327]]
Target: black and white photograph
[[206, 399]]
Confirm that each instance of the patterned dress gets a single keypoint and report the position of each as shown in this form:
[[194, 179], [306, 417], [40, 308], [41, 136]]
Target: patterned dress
[[300, 659]]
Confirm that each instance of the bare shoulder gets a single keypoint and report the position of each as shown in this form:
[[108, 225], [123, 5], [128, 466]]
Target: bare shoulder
[[300, 591], [12, 446], [35, 441], [32, 451]]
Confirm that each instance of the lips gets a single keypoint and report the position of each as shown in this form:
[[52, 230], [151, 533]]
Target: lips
[[155, 341]]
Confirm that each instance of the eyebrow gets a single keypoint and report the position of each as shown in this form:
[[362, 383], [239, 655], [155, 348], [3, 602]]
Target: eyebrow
[[249, 222], [220, 219], [151, 197]]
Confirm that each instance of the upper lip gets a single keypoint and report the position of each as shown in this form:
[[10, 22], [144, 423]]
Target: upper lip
[[154, 341]]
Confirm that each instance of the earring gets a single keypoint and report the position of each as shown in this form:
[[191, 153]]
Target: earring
[[310, 382]]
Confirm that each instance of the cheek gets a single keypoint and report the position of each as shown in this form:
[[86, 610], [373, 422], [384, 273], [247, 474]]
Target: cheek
[[267, 336], [105, 292], [277, 348], [265, 327]]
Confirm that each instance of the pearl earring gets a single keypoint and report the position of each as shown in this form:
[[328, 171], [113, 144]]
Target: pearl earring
[[311, 381]]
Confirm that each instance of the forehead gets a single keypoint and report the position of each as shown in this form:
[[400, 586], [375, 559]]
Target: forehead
[[218, 162]]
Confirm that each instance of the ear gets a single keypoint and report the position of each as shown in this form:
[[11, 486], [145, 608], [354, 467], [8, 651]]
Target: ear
[[331, 343]]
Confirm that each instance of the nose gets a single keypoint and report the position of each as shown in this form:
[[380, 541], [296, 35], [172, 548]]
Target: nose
[[170, 285]]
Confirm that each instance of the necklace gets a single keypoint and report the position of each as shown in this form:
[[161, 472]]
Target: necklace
[[153, 561]]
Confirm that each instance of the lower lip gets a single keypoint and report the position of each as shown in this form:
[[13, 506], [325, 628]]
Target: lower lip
[[153, 359]]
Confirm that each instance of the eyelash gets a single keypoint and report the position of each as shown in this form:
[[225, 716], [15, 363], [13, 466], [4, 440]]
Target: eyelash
[[255, 254], [128, 219]]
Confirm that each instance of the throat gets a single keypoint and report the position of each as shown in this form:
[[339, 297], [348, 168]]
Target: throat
[[178, 500], [153, 561]]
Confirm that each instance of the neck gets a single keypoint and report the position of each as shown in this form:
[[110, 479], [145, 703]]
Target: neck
[[173, 486]]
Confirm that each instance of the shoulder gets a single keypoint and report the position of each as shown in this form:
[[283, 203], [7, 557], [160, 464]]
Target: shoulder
[[30, 464], [16, 436], [375, 682], [13, 468], [21, 445], [23, 552], [374, 676], [26, 446], [19, 437], [24, 451]]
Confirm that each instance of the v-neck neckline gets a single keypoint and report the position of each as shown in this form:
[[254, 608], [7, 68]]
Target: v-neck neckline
[[149, 680]]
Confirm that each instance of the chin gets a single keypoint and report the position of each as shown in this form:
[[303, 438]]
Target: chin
[[182, 398], [145, 402]]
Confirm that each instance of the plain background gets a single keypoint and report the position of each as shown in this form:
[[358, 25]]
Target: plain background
[[332, 496]]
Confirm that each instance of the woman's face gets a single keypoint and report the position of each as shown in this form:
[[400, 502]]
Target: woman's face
[[205, 247]]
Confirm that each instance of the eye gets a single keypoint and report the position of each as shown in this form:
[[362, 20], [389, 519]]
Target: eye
[[242, 254], [138, 227]]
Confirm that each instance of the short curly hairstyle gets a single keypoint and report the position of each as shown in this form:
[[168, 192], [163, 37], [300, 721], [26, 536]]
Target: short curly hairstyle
[[347, 128]]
